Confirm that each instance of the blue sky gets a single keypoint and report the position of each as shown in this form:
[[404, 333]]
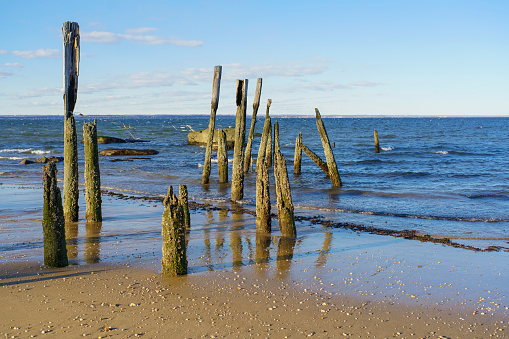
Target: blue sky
[[342, 57]]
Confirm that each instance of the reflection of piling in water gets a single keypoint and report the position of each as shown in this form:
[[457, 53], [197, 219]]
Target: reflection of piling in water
[[322, 256], [285, 254], [284, 197], [263, 219], [184, 202], [377, 144], [236, 240], [297, 158], [265, 138], [317, 160], [93, 242], [71, 35], [212, 123], [222, 157], [329, 155], [256, 105], [174, 261], [262, 248], [53, 223], [71, 239], [92, 173], [237, 187]]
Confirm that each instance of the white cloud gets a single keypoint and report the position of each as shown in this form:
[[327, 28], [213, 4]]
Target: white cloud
[[365, 84], [41, 53], [5, 74], [137, 35], [13, 64]]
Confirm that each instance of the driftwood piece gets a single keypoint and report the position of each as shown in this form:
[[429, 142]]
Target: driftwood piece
[[329, 155], [213, 109], [92, 173], [174, 260], [322, 164], [237, 187], [284, 197], [256, 105], [53, 223], [222, 158], [263, 219], [297, 157]]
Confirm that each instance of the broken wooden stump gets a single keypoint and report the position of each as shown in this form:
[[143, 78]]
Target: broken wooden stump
[[213, 109], [263, 219], [317, 160], [256, 105], [237, 187], [377, 144], [92, 173], [297, 157], [184, 202], [329, 155], [222, 158], [53, 222], [284, 197], [174, 260]]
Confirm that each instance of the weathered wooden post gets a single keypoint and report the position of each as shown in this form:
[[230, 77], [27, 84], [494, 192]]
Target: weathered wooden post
[[284, 197], [237, 187], [277, 147], [263, 219], [329, 155], [174, 261], [316, 159], [268, 151], [184, 202], [297, 158], [53, 223], [249, 146], [212, 123], [377, 144], [222, 157], [265, 138], [92, 173], [71, 34]]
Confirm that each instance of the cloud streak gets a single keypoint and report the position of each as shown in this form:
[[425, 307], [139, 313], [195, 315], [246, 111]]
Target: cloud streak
[[137, 35], [40, 53]]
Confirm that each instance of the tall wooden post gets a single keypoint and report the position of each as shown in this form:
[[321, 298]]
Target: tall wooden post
[[256, 105], [237, 187], [265, 136], [377, 144], [297, 158], [92, 173], [277, 146], [53, 223], [284, 197], [329, 155], [184, 202], [174, 260], [268, 151], [71, 34], [222, 157], [263, 219], [212, 123]]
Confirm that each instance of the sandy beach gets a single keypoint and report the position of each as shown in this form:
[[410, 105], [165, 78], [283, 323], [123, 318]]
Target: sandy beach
[[327, 283]]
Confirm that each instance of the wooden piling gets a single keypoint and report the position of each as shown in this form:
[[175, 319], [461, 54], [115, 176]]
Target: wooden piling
[[174, 260], [284, 197], [71, 35], [297, 158], [256, 105], [317, 160], [92, 173], [184, 202], [329, 155], [377, 144], [222, 157], [237, 187], [277, 146], [267, 126], [53, 222], [212, 122], [263, 219]]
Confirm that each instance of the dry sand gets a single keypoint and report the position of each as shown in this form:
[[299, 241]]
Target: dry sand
[[328, 283]]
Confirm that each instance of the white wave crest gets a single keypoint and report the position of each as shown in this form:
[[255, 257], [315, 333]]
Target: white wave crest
[[441, 152], [387, 148], [11, 158], [40, 152]]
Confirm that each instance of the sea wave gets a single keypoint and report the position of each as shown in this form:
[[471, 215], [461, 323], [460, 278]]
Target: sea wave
[[387, 148], [11, 158], [441, 152], [24, 150]]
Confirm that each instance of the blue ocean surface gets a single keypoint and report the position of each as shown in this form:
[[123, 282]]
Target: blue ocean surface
[[447, 177]]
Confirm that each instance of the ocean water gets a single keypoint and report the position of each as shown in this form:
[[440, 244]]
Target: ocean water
[[440, 176]]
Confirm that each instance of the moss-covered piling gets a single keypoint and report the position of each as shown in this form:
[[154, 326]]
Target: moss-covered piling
[[174, 260], [237, 187], [92, 173]]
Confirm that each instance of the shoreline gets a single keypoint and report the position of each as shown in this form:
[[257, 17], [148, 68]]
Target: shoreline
[[344, 282]]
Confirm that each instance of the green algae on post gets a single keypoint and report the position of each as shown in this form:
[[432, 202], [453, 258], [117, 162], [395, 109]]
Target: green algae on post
[[237, 188], [92, 173], [222, 157], [210, 137], [284, 197], [53, 223], [184, 202], [263, 218], [174, 260]]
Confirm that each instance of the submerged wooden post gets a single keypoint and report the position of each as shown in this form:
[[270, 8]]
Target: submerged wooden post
[[377, 145], [265, 137], [212, 123], [174, 260], [263, 219], [297, 158], [256, 104], [184, 202], [316, 159], [71, 34], [222, 157], [53, 223], [284, 197], [268, 151], [237, 188], [329, 155], [92, 173]]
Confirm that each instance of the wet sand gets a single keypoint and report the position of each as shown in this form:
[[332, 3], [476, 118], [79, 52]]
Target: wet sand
[[327, 283]]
